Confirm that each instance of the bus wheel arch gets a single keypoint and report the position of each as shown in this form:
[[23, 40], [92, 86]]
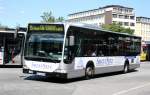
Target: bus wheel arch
[[126, 66], [89, 70]]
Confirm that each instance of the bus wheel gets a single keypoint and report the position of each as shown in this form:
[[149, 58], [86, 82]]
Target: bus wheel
[[126, 68], [89, 72]]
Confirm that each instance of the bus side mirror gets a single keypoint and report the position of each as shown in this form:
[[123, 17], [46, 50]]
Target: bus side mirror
[[71, 40]]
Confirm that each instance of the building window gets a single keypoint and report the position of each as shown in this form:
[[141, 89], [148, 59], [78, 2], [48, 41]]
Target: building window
[[121, 10], [126, 23], [115, 22], [114, 15], [121, 16], [130, 11], [138, 19], [126, 10], [131, 17], [148, 20], [126, 17], [132, 24], [114, 8]]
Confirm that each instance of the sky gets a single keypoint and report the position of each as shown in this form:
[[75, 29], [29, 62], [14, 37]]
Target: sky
[[15, 13]]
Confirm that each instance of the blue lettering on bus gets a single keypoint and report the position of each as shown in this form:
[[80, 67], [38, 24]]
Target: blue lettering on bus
[[130, 57], [80, 65], [43, 66], [80, 61], [105, 61]]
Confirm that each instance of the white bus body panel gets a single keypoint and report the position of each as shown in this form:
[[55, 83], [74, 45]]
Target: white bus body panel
[[77, 67], [81, 62], [102, 65]]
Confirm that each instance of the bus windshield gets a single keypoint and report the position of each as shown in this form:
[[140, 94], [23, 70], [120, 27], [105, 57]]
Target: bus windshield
[[45, 47]]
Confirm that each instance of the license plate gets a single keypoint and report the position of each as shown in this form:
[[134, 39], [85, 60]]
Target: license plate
[[41, 74]]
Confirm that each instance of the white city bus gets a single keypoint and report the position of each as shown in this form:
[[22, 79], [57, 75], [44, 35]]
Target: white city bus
[[68, 50], [11, 46]]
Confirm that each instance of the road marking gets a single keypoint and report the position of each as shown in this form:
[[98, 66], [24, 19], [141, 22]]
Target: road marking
[[131, 89]]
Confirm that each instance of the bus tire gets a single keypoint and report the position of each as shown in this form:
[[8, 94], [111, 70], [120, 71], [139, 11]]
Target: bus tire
[[89, 71], [126, 67]]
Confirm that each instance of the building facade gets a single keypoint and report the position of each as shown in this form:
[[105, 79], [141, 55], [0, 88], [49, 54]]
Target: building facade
[[106, 15], [143, 28]]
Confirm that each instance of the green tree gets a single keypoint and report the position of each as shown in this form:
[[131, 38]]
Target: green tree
[[48, 17], [60, 19], [117, 28]]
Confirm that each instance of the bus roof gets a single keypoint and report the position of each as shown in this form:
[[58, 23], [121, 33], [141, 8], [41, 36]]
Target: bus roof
[[88, 26], [95, 27]]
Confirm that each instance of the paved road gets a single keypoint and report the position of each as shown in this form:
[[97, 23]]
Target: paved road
[[13, 82]]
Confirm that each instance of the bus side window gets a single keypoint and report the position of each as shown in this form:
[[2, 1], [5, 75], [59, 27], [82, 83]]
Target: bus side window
[[100, 53]]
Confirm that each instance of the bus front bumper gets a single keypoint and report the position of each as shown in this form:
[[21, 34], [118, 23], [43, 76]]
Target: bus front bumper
[[48, 74]]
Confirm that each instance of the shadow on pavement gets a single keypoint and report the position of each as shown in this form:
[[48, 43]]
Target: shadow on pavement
[[65, 81], [10, 66]]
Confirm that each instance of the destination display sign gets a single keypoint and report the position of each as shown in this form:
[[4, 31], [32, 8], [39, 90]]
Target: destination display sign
[[45, 27]]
